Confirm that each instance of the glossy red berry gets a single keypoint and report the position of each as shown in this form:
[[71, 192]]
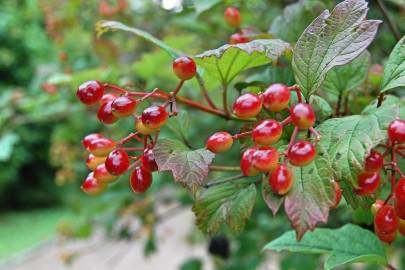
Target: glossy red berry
[[276, 97], [148, 160], [265, 159], [247, 105], [219, 142], [108, 97], [400, 209], [368, 183], [89, 138], [281, 180], [117, 162], [338, 193], [154, 117], [302, 115], [141, 128], [267, 132], [386, 237], [105, 115], [184, 67], [232, 17], [376, 206], [101, 147], [396, 131], [90, 92], [92, 161], [238, 38], [400, 190], [123, 106], [374, 162], [386, 221], [102, 175], [246, 163], [92, 186], [301, 153], [140, 179]]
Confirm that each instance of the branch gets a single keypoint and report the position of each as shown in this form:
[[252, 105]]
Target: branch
[[224, 168], [204, 91], [391, 24]]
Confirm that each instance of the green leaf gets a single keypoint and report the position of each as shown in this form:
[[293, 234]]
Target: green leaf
[[226, 62], [348, 244], [321, 107], [189, 167], [394, 70], [312, 195], [345, 78], [7, 142], [230, 203], [203, 5], [105, 26], [348, 140], [332, 40], [389, 100], [295, 18]]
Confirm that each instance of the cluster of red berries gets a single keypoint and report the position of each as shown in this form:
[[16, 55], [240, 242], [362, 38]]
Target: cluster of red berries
[[108, 159], [232, 18], [262, 157], [389, 214]]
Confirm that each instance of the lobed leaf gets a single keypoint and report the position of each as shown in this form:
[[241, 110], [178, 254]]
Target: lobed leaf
[[348, 244], [394, 70], [272, 200], [189, 167], [226, 62], [332, 39]]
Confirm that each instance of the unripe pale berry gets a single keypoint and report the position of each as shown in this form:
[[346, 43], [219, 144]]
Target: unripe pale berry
[[247, 105], [89, 138], [154, 117], [396, 131], [90, 92], [105, 115], [123, 106], [232, 17], [368, 183], [302, 115], [148, 160], [246, 163], [184, 67], [92, 186], [238, 38], [265, 159], [117, 162], [267, 132], [219, 142], [140, 179], [281, 180], [102, 175], [276, 97], [101, 147], [374, 162], [301, 153], [92, 161]]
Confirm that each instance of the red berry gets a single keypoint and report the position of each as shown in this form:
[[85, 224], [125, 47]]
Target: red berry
[[104, 114], [246, 163], [386, 220], [123, 106], [154, 117], [90, 92], [301, 153], [386, 237], [247, 105], [400, 190], [89, 138], [232, 16], [374, 162], [219, 142], [108, 97], [281, 180], [276, 97], [400, 209], [302, 115], [267, 132], [368, 183], [265, 159], [338, 193], [117, 162], [238, 38], [184, 67], [376, 206], [141, 128], [148, 160], [401, 227], [140, 180], [92, 186], [396, 131], [102, 175], [101, 147], [92, 161]]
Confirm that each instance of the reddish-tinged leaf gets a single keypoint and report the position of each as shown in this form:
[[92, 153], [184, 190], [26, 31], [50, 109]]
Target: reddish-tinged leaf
[[272, 200]]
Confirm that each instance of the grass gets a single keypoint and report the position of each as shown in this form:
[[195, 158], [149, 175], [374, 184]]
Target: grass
[[22, 230]]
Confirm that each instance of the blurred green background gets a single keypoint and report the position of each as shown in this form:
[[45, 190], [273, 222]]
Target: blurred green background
[[48, 48]]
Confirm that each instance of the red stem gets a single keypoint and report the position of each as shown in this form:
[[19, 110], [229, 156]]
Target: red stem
[[178, 88], [297, 89], [242, 134], [292, 139], [316, 133], [129, 137], [286, 121]]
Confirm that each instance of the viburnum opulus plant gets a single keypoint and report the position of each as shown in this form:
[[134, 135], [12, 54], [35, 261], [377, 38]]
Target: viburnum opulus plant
[[291, 147]]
